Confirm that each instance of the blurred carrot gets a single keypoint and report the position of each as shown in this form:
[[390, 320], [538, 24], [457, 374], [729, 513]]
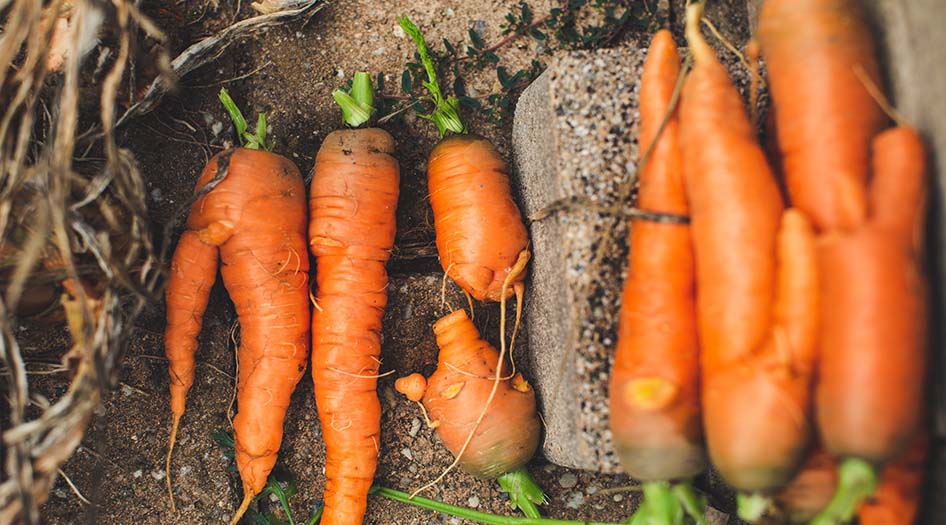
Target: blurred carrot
[[757, 300], [654, 390]]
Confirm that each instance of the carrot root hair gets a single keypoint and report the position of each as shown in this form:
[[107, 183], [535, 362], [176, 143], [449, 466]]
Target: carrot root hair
[[247, 499], [167, 464]]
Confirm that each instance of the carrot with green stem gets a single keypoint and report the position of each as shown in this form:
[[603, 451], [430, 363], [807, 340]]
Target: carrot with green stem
[[352, 203], [757, 288], [481, 238], [871, 369], [251, 217], [482, 411], [654, 390]]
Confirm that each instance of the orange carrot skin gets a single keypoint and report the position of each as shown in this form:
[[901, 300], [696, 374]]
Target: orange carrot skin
[[351, 233], [479, 229], [654, 390], [826, 118], [508, 435], [897, 499], [757, 286], [811, 489], [870, 389], [256, 219]]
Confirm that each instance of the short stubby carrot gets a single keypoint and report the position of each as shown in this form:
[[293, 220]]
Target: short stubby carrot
[[254, 219], [818, 54], [654, 390], [485, 415], [757, 285], [352, 202]]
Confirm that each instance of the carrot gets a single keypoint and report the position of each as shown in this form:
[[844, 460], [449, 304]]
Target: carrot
[[756, 287], [870, 388], [481, 238], [654, 390], [811, 489], [825, 117], [483, 413], [252, 220], [352, 202]]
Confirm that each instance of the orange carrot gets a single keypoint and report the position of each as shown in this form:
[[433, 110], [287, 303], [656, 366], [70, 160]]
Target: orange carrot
[[481, 239], [254, 218], [825, 116], [811, 489], [654, 390], [494, 444], [756, 286], [871, 368], [352, 202]]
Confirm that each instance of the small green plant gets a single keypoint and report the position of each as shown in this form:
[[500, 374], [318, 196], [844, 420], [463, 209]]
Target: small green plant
[[573, 24], [280, 484]]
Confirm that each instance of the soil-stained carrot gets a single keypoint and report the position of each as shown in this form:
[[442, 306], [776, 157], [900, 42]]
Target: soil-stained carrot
[[481, 238], [870, 389], [654, 390], [825, 116], [494, 444], [254, 221], [757, 300], [352, 204]]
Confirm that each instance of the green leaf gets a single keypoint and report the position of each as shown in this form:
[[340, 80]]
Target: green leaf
[[459, 85], [235, 114], [406, 81], [469, 102], [503, 76], [536, 33], [489, 56], [449, 47], [526, 14], [380, 82], [476, 39]]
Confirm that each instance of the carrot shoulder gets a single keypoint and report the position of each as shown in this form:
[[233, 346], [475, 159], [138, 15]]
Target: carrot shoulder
[[826, 118], [352, 202], [756, 285]]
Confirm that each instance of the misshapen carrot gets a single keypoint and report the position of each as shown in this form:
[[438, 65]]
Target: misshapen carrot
[[870, 387], [756, 285], [466, 383], [254, 218], [352, 205], [481, 239], [654, 390], [825, 116]]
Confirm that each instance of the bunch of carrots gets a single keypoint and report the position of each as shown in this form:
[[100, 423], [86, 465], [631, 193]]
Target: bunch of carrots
[[777, 336], [783, 333]]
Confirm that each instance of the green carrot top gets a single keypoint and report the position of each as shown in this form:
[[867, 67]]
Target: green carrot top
[[247, 139], [446, 113], [357, 104]]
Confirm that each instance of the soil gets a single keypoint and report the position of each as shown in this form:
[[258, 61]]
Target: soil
[[289, 72]]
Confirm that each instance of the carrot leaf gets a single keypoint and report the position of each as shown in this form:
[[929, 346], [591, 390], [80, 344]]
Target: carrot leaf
[[357, 104], [248, 140], [524, 492], [669, 504], [446, 113]]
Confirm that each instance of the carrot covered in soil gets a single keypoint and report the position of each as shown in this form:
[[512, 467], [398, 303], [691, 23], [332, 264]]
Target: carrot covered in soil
[[482, 412], [481, 238], [654, 390], [870, 388], [252, 220], [757, 284], [825, 117], [352, 204]]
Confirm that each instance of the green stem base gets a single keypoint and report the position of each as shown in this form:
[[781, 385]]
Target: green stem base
[[751, 507], [857, 480], [668, 503], [524, 492]]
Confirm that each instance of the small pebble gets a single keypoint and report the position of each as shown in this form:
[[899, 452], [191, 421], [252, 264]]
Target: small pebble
[[591, 489], [450, 12], [618, 497], [157, 474], [138, 473], [216, 128], [575, 500], [406, 452], [398, 32], [568, 480], [380, 51], [473, 502], [415, 427]]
